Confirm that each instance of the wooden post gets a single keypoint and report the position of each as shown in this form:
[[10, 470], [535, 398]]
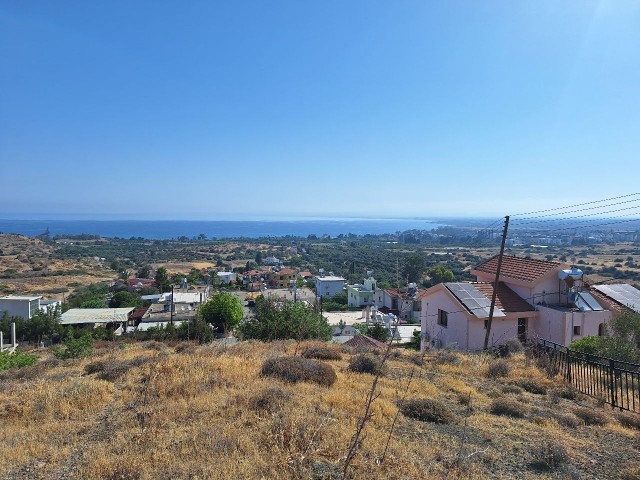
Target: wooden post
[[495, 283]]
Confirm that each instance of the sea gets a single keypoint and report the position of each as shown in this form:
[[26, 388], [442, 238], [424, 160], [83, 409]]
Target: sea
[[170, 229]]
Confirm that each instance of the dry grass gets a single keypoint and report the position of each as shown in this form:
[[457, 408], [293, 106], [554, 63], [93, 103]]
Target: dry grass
[[207, 412]]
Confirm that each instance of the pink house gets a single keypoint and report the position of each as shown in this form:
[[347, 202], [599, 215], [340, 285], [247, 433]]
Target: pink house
[[535, 298]]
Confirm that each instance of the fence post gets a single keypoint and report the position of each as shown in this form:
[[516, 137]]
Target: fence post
[[569, 366], [612, 382]]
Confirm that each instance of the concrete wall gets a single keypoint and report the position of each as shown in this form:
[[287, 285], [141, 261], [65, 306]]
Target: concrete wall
[[557, 325], [456, 331], [19, 307]]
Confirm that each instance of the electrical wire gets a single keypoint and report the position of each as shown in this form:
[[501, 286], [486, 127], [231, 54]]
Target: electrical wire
[[576, 205]]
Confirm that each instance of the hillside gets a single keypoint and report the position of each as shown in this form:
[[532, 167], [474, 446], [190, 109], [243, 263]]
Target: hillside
[[153, 411], [30, 266]]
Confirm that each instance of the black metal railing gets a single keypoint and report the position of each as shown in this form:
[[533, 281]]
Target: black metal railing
[[612, 381]]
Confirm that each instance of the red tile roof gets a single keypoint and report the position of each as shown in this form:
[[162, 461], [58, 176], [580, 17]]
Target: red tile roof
[[286, 271], [527, 269], [506, 299], [364, 342], [306, 273]]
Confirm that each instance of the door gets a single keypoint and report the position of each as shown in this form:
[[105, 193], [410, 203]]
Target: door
[[522, 330]]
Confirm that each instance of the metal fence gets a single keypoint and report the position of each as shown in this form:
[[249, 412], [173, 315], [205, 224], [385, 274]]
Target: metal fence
[[616, 383]]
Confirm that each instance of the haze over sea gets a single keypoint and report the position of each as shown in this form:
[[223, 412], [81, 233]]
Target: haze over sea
[[168, 229]]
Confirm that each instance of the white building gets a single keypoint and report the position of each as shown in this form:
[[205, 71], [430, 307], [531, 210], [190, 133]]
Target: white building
[[19, 306], [227, 277], [362, 295], [330, 285]]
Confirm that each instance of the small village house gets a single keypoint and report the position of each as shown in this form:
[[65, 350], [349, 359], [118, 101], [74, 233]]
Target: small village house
[[535, 298], [330, 285]]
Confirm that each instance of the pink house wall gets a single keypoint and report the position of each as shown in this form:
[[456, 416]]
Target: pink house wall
[[464, 329]]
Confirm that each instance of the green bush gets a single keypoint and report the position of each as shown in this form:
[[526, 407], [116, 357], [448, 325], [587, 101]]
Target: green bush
[[17, 360], [75, 348], [298, 369], [426, 410]]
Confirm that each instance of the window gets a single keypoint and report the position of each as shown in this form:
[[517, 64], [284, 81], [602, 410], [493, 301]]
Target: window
[[576, 330], [443, 319]]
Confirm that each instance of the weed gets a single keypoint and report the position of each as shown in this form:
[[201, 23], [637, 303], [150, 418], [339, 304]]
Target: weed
[[426, 410], [298, 369], [17, 360], [508, 407]]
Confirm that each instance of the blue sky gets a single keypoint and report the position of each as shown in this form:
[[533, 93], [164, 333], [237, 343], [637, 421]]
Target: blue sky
[[249, 109]]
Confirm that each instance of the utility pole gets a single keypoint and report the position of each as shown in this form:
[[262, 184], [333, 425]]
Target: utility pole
[[495, 283], [172, 305]]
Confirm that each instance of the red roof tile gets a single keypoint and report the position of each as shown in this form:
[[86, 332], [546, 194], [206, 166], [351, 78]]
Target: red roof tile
[[527, 269], [606, 301], [364, 342], [506, 299]]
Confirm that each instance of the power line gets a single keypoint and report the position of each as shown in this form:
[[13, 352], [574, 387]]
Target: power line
[[586, 215], [583, 210], [576, 205], [575, 227]]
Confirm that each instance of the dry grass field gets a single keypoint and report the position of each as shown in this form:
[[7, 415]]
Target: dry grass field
[[27, 267], [155, 411]]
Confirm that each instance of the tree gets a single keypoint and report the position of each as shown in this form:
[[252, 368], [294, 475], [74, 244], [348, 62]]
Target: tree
[[223, 310], [259, 258], [379, 332], [162, 279], [144, 272], [413, 268], [440, 274], [124, 299], [280, 319]]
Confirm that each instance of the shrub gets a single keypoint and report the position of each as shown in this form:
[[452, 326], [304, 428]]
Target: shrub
[[510, 347], [75, 348], [532, 385], [549, 456], [448, 357], [631, 472], [515, 389], [366, 363], [508, 407], [568, 420], [269, 399], [499, 368], [590, 416], [569, 392], [298, 369], [95, 367], [426, 410], [322, 353], [629, 420], [17, 360]]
